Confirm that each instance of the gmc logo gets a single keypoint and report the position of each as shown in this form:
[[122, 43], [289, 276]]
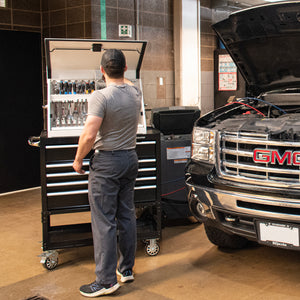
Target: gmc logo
[[290, 158]]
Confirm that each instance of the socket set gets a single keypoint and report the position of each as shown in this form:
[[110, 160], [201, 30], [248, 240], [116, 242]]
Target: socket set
[[73, 87], [69, 100]]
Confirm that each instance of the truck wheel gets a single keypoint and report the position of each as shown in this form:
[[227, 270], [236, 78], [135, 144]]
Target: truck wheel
[[223, 239]]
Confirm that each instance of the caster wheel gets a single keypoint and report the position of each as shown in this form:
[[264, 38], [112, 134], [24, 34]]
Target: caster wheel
[[50, 264], [152, 249], [49, 259]]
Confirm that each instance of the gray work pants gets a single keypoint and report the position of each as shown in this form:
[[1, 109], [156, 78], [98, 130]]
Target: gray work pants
[[111, 196]]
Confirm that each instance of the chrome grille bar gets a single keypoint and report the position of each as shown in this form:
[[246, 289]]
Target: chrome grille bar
[[259, 142], [235, 160], [260, 169]]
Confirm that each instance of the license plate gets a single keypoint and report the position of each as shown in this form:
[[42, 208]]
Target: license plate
[[279, 235]]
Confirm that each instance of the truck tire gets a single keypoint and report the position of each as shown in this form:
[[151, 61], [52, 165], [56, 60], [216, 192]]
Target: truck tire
[[223, 239]]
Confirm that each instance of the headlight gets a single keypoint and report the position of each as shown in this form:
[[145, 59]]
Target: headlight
[[203, 146]]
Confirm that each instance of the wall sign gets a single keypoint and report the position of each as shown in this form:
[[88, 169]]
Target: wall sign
[[227, 73]]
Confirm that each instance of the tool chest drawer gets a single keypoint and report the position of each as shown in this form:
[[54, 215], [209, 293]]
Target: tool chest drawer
[[62, 188], [147, 187]]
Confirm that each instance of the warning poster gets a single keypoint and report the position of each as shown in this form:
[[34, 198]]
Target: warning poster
[[227, 73], [179, 154]]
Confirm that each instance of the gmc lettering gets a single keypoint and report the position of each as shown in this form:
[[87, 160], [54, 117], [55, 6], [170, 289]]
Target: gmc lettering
[[290, 158]]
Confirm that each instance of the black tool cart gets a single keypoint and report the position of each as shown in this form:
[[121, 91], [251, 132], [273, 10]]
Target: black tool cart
[[73, 73]]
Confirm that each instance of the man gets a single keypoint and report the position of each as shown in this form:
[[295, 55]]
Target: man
[[110, 129]]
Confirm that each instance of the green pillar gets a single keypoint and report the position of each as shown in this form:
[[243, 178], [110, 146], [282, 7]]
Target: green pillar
[[103, 19]]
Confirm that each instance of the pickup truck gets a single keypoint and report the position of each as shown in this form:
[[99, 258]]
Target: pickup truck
[[243, 177]]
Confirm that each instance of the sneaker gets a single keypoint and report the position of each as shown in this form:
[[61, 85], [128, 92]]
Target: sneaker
[[95, 289], [126, 276]]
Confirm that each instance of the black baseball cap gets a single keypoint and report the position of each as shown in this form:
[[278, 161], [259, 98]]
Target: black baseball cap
[[113, 59]]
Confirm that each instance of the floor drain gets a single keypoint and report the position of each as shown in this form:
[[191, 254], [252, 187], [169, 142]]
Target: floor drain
[[37, 297]]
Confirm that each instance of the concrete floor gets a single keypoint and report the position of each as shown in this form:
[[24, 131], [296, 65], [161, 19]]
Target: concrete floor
[[187, 267]]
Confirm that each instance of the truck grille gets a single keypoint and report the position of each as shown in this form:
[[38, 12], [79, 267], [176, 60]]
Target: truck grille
[[236, 160]]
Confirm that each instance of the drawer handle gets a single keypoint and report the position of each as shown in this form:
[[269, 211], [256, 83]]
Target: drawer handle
[[146, 169], [63, 165], [66, 174], [145, 187], [67, 183], [61, 146], [34, 141], [145, 178], [67, 193], [147, 160], [146, 143]]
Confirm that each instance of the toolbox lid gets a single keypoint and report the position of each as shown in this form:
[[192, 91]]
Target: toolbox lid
[[80, 58]]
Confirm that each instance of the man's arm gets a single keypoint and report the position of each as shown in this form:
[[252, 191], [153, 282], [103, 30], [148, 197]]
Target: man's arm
[[86, 141]]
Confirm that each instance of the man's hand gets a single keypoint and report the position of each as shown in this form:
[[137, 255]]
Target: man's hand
[[77, 166]]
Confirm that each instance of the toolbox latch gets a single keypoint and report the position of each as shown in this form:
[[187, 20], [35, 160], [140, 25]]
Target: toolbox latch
[[97, 47]]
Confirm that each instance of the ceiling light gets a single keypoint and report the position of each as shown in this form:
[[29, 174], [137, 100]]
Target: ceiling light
[[274, 0]]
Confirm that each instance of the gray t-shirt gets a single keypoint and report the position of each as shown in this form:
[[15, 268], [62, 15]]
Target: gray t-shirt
[[119, 106]]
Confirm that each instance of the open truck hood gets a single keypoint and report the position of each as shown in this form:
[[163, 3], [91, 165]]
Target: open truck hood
[[264, 42]]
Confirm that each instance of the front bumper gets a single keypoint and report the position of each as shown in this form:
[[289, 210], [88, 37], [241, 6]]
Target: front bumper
[[237, 212]]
